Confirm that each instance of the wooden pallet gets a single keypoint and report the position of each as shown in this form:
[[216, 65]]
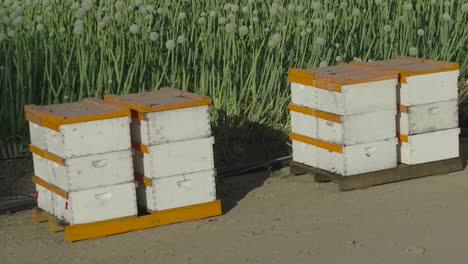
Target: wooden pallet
[[127, 224], [365, 180]]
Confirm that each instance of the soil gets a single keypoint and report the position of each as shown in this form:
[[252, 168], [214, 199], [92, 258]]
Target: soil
[[270, 217]]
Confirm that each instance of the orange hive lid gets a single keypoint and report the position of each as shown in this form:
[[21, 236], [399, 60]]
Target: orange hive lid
[[407, 66], [161, 100], [90, 109], [332, 78]]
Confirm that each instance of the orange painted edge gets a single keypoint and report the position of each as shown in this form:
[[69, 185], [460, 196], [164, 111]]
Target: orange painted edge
[[314, 112], [37, 151], [50, 187], [309, 78], [39, 116], [402, 108], [144, 180], [316, 142], [447, 66], [403, 138], [140, 147], [197, 101], [301, 76], [39, 215], [46, 155], [159, 218]]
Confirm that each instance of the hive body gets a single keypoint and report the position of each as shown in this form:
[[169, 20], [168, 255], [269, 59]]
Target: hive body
[[343, 119], [82, 160], [428, 108], [173, 155]]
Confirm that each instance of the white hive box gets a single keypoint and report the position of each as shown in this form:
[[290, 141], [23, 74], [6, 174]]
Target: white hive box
[[343, 130], [422, 81], [41, 164], [44, 199], [177, 191], [345, 160], [427, 98], [427, 147], [166, 115], [427, 118], [96, 204], [174, 158], [79, 129], [344, 89], [74, 174], [171, 135]]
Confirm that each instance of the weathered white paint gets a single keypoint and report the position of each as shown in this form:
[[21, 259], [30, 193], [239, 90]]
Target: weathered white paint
[[41, 167], [38, 135], [429, 147], [88, 138], [93, 171], [354, 129], [429, 118], [429, 88], [172, 126], [97, 204], [44, 199], [178, 191], [175, 158], [354, 99], [355, 159]]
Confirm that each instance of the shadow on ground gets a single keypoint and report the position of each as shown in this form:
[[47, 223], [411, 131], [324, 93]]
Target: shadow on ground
[[240, 145]]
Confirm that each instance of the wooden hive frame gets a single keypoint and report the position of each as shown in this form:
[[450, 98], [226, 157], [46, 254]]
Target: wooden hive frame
[[127, 224]]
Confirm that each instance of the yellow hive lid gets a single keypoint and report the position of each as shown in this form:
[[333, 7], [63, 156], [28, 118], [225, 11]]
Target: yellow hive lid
[[161, 100], [90, 109], [332, 78], [408, 66]]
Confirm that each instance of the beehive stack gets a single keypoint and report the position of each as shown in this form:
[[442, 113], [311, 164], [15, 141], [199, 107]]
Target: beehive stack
[[428, 108], [171, 136], [82, 160], [343, 119]]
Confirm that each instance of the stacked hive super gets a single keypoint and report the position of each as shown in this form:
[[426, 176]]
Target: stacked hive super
[[82, 160], [173, 160], [343, 119], [428, 108]]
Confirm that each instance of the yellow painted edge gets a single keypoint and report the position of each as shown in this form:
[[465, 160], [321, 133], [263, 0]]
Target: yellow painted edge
[[37, 151], [446, 66], [50, 187], [39, 216], [140, 147], [54, 226], [170, 216], [309, 78], [403, 138], [144, 180], [316, 142], [317, 113], [37, 115], [46, 155], [197, 101], [402, 108], [200, 102]]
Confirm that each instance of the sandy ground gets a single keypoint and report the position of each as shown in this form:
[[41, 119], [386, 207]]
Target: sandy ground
[[272, 218]]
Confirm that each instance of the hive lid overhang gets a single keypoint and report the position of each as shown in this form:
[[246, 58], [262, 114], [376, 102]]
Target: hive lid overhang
[[90, 109], [408, 66], [332, 78], [161, 100]]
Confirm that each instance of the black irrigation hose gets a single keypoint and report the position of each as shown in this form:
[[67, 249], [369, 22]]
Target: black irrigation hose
[[237, 170], [16, 203]]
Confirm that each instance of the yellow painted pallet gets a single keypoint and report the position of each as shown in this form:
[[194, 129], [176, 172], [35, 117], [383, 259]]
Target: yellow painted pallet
[[127, 224]]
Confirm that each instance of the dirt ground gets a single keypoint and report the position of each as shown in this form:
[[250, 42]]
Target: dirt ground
[[272, 218]]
